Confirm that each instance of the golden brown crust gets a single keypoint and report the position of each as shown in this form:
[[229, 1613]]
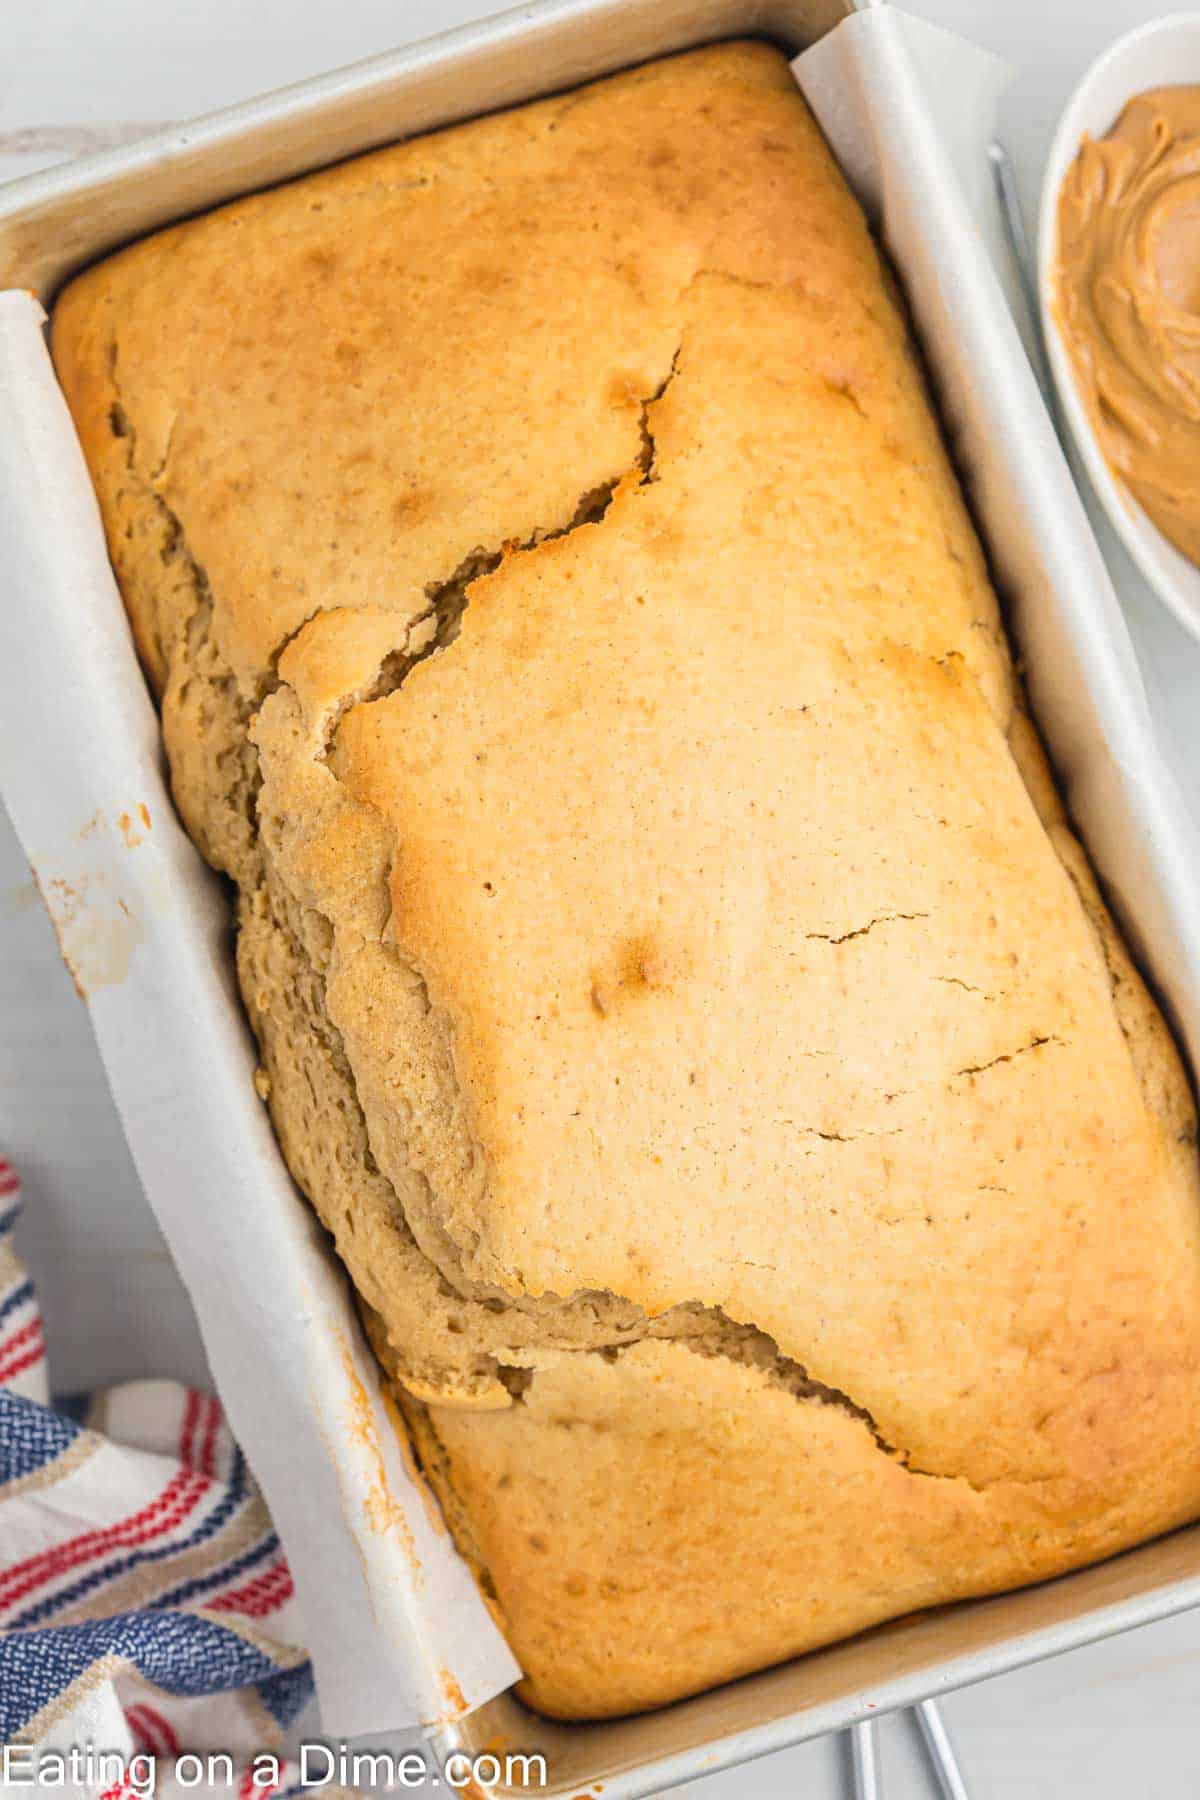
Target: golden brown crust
[[626, 1510], [773, 1190]]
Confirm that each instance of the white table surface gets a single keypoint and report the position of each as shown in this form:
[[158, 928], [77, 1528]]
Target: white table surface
[[1116, 1722]]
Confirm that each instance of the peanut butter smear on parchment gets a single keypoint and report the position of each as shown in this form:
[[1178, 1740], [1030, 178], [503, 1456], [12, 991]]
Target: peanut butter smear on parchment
[[1126, 297]]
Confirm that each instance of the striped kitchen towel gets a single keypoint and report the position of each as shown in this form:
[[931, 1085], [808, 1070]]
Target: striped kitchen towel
[[145, 1602]]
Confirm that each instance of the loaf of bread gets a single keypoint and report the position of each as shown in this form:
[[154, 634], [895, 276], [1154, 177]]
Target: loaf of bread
[[768, 1184]]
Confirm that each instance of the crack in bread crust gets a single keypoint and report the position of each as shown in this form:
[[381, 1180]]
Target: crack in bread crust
[[450, 1343], [473, 1343]]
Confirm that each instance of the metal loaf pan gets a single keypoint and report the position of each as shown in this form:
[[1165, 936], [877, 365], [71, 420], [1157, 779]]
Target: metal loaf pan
[[53, 223]]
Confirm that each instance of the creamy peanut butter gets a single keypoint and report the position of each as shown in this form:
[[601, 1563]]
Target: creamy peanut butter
[[1127, 301]]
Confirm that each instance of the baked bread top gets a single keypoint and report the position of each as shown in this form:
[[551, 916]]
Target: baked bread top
[[661, 928]]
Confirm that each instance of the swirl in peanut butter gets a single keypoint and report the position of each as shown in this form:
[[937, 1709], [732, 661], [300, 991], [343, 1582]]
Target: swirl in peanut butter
[[1127, 301]]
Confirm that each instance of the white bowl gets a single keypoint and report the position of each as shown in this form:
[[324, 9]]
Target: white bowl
[[1163, 53]]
